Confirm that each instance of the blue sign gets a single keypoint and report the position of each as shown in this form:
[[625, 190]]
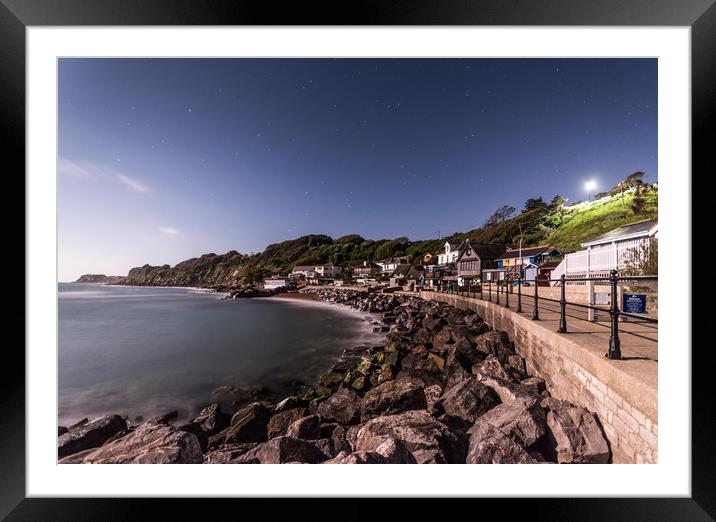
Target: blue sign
[[634, 303]]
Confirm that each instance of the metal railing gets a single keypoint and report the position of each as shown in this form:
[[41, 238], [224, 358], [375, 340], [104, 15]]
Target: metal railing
[[506, 287]]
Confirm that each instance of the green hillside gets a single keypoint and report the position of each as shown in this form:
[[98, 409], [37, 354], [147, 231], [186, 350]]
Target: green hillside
[[537, 223]]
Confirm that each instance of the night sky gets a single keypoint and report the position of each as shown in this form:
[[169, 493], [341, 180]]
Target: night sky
[[165, 159]]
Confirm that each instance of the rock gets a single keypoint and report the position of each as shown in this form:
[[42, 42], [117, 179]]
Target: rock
[[150, 443], [211, 409], [358, 457], [331, 447], [463, 353], [76, 458], [428, 440], [517, 364], [166, 418], [89, 435], [305, 428], [496, 343], [392, 397], [489, 445], [342, 407], [395, 452], [456, 375], [61, 430], [507, 390], [523, 420], [491, 366], [331, 379], [575, 434], [79, 423], [351, 435], [228, 453], [432, 323], [535, 385], [468, 400], [282, 450], [288, 403], [432, 395], [249, 424], [279, 422]]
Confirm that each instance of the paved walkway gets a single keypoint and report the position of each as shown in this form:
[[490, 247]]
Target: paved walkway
[[639, 339]]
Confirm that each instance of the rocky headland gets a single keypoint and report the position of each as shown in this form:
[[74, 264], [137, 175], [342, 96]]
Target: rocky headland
[[443, 388], [101, 278]]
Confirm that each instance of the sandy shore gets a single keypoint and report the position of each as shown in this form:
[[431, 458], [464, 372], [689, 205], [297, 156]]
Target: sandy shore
[[304, 296]]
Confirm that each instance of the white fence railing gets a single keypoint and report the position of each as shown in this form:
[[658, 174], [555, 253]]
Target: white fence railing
[[598, 261]]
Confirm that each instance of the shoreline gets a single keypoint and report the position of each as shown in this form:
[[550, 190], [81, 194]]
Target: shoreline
[[422, 396]]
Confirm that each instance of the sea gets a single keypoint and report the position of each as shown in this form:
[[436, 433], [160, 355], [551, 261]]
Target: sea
[[145, 351]]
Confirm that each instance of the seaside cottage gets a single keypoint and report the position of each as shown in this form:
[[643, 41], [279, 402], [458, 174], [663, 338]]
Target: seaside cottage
[[389, 265], [400, 274], [366, 269], [307, 271], [473, 258], [449, 254], [329, 270], [613, 250], [275, 282], [523, 262]]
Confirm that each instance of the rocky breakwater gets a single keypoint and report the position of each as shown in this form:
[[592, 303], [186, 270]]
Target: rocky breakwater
[[443, 388], [244, 291]]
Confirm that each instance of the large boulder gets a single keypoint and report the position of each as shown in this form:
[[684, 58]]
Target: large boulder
[[305, 428], [468, 400], [506, 389], [89, 435], [496, 343], [150, 443], [392, 397], [342, 407], [523, 420], [432, 396], [282, 450], [575, 434], [228, 453], [279, 422], [492, 367], [428, 440], [489, 445], [249, 424], [357, 457], [390, 451], [462, 352]]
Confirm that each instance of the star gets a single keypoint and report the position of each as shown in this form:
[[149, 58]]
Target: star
[[189, 109]]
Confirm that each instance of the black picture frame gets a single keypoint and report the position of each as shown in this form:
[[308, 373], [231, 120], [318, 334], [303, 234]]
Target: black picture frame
[[17, 15]]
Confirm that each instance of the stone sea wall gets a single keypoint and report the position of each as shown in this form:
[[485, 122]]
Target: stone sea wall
[[625, 405]]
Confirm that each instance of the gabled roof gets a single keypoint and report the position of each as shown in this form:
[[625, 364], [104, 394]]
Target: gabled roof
[[402, 270], [484, 251], [630, 231], [527, 252], [304, 268], [453, 246]]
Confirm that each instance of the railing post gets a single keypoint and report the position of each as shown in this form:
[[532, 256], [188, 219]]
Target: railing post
[[615, 351], [562, 308], [535, 311], [489, 290], [497, 287], [507, 293], [519, 295]]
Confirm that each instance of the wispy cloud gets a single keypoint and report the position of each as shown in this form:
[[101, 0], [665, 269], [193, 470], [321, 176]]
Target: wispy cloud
[[169, 231], [132, 183], [74, 169], [91, 170]]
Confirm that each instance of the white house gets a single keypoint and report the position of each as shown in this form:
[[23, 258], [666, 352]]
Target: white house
[[613, 250], [307, 271], [449, 255], [275, 282], [389, 265], [329, 270]]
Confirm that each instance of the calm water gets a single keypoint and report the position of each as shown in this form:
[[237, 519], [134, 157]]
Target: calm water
[[145, 351]]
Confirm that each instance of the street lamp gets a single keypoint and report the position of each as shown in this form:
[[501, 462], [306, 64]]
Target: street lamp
[[589, 186]]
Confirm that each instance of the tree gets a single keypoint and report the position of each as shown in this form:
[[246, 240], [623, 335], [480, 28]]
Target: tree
[[500, 215], [643, 259], [638, 202], [535, 204]]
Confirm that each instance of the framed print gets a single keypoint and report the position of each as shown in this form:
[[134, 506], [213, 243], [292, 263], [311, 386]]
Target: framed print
[[417, 234]]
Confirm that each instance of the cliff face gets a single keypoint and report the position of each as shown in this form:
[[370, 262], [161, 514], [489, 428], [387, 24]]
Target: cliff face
[[100, 278], [209, 270]]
